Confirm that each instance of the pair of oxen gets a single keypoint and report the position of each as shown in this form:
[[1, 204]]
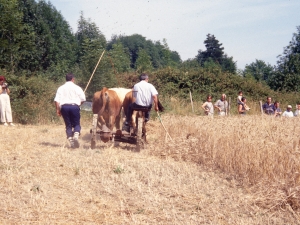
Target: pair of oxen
[[108, 104]]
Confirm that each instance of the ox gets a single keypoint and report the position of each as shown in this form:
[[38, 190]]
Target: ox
[[121, 92], [130, 99], [107, 104]]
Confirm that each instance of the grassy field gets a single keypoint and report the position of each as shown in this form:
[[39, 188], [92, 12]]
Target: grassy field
[[235, 170]]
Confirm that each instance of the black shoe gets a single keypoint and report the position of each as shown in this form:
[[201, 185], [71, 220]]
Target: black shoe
[[126, 127]]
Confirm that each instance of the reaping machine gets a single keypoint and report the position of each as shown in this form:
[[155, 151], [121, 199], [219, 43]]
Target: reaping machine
[[136, 136]]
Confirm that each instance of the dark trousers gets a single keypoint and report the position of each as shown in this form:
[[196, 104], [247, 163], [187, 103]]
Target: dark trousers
[[71, 115], [133, 106]]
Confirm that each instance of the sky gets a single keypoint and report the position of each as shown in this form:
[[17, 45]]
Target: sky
[[247, 29]]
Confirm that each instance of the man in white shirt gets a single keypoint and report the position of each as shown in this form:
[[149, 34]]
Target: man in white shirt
[[145, 94], [222, 105], [68, 99], [288, 112], [297, 112]]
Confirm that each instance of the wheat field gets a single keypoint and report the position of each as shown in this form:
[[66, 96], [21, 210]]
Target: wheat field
[[233, 170]]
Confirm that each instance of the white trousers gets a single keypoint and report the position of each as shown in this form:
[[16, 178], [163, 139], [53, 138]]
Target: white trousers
[[222, 113], [5, 108]]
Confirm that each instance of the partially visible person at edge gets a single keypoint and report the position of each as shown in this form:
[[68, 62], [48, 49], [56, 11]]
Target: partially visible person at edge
[[277, 111], [288, 112], [297, 111], [268, 108], [145, 94], [208, 106], [68, 99], [222, 105], [239, 98], [242, 109], [5, 107]]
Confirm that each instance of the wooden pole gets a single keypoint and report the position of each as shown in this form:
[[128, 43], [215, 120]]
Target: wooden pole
[[167, 133], [192, 101], [94, 71], [261, 109], [229, 102]]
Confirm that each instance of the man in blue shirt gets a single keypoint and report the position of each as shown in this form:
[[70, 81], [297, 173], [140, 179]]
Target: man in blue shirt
[[269, 107]]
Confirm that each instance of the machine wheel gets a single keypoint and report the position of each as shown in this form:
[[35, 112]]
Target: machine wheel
[[94, 131], [139, 139]]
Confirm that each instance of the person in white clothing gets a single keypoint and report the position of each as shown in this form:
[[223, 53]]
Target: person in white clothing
[[5, 107], [67, 100], [208, 106], [288, 112], [297, 112], [222, 105], [145, 94], [239, 98]]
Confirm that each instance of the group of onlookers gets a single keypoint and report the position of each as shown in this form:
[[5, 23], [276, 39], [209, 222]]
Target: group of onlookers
[[222, 105], [268, 108], [273, 109]]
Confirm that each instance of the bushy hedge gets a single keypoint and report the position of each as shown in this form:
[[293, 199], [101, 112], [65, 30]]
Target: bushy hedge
[[31, 98], [203, 81], [32, 95]]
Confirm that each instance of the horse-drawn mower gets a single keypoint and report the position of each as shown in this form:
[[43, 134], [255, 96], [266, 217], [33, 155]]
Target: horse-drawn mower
[[136, 136]]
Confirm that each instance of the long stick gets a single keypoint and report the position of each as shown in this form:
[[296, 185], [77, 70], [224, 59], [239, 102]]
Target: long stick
[[163, 125], [229, 102], [94, 71], [192, 101], [261, 109]]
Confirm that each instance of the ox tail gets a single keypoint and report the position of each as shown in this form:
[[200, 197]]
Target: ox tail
[[105, 98], [160, 106]]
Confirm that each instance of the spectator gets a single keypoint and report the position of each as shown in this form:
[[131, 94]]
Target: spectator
[[222, 105], [297, 112], [5, 107], [208, 106], [288, 112], [242, 106], [239, 97], [268, 107], [67, 101], [277, 111]]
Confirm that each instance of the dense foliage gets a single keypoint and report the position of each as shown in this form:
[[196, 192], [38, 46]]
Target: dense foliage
[[38, 47]]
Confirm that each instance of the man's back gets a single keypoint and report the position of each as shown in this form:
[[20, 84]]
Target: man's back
[[69, 93], [143, 92]]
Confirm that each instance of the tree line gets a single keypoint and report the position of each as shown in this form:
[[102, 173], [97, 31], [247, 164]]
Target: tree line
[[38, 46]]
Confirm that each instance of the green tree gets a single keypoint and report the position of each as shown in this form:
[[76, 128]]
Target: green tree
[[34, 36], [119, 58], [143, 62], [88, 31], [92, 43], [215, 52], [55, 41], [259, 70], [15, 36], [160, 54], [287, 74]]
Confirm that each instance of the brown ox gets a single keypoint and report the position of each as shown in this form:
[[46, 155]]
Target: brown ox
[[107, 105], [121, 92], [130, 99]]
